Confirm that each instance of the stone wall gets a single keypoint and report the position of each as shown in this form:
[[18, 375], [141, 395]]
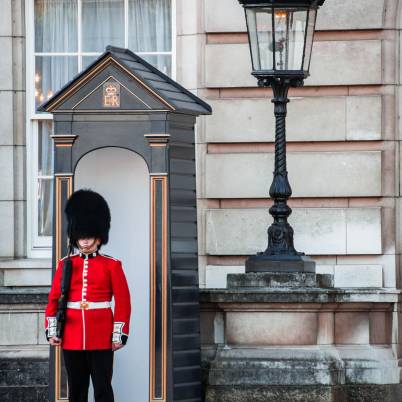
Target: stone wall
[[343, 151], [12, 133]]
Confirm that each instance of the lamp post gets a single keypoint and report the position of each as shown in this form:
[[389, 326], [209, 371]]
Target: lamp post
[[281, 38]]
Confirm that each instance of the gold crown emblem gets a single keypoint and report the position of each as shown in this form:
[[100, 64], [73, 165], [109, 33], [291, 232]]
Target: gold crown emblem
[[110, 89]]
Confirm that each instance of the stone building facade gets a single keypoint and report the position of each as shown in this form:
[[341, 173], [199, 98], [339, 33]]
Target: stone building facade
[[343, 160]]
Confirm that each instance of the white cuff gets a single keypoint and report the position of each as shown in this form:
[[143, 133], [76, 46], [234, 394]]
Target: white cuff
[[51, 326]]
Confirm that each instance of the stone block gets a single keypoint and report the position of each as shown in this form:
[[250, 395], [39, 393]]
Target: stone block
[[253, 120], [364, 117], [19, 173], [324, 269], [202, 267], [233, 21], [243, 232], [26, 263], [271, 328], [311, 174], [362, 276], [7, 169], [216, 275], [18, 329], [20, 249], [352, 328], [326, 328], [188, 17], [19, 118], [333, 118], [380, 327], [359, 62], [19, 76], [363, 231], [6, 63], [388, 262], [41, 329], [6, 118], [229, 65], [207, 327], [275, 280], [18, 20], [6, 17], [6, 228], [333, 15], [27, 277], [348, 15], [318, 231], [188, 57]]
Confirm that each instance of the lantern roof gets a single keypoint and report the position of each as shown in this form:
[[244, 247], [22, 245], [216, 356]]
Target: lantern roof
[[282, 3], [143, 88]]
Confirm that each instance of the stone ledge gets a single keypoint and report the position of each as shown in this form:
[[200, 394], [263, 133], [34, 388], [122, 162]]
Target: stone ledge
[[25, 263], [344, 393], [299, 295], [24, 295], [24, 352]]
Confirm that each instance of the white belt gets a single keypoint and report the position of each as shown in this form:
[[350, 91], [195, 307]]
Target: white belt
[[85, 305]]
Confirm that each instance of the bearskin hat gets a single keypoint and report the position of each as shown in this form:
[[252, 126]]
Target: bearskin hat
[[88, 215]]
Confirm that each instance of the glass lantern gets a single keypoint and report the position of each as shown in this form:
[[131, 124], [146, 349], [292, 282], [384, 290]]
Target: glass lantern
[[281, 36]]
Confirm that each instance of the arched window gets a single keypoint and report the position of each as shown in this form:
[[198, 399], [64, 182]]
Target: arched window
[[63, 38]]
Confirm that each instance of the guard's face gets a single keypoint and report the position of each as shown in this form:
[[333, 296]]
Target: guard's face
[[88, 245]]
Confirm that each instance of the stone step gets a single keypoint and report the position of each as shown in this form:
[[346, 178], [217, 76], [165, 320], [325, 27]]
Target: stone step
[[24, 372], [38, 393], [343, 393], [24, 375], [280, 280], [302, 366], [25, 272]]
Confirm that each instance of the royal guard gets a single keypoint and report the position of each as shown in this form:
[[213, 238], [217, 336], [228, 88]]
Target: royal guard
[[79, 317]]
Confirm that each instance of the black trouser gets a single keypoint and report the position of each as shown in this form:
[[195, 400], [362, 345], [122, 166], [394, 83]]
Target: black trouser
[[80, 365]]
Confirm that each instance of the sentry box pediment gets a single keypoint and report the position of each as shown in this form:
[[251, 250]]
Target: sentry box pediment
[[120, 81], [122, 101]]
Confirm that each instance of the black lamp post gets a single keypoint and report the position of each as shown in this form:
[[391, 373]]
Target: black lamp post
[[281, 38]]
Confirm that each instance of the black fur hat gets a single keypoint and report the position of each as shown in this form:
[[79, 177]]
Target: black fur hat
[[88, 215]]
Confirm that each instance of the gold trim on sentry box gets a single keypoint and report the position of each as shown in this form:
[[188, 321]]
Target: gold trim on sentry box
[[66, 179], [109, 60], [157, 140], [153, 266], [64, 140]]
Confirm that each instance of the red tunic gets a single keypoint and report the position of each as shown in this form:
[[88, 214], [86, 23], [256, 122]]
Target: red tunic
[[95, 278]]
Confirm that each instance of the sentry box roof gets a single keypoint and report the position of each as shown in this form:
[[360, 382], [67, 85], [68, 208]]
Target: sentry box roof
[[141, 88]]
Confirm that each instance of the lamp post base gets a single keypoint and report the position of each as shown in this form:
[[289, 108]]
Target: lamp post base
[[278, 263]]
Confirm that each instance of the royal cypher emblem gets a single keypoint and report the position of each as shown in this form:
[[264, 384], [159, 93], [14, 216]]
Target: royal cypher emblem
[[111, 94]]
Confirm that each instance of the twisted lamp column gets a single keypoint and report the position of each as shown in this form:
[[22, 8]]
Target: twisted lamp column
[[280, 233]]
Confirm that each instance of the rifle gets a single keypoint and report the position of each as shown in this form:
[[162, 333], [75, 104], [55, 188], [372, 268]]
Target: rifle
[[62, 302]]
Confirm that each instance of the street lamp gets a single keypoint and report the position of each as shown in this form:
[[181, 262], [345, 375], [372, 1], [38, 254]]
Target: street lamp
[[281, 38]]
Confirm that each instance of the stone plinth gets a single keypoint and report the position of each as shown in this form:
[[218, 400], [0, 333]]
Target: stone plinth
[[280, 280], [275, 263], [294, 344]]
